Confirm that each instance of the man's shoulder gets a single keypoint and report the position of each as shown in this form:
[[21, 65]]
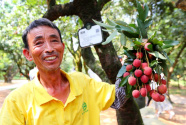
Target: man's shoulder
[[77, 74], [22, 92]]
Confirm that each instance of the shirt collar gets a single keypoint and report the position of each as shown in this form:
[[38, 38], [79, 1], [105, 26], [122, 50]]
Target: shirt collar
[[42, 95]]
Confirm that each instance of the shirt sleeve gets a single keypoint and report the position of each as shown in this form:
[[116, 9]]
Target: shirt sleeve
[[10, 113], [120, 96]]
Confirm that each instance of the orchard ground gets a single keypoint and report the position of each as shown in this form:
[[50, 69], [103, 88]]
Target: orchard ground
[[108, 117]]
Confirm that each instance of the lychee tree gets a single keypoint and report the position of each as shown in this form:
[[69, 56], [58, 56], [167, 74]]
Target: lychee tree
[[145, 69]]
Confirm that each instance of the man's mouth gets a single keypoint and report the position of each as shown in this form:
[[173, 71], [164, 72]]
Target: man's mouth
[[50, 58]]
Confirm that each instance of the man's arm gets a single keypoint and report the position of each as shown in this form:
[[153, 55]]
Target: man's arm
[[10, 113], [120, 96]]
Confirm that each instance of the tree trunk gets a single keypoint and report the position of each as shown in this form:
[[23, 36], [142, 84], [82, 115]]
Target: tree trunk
[[88, 10], [129, 114], [91, 62], [9, 74]]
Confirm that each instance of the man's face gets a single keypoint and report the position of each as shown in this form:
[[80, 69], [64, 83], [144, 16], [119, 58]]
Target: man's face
[[45, 48]]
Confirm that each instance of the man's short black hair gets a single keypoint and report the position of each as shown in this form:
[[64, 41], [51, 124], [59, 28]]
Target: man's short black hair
[[36, 23]]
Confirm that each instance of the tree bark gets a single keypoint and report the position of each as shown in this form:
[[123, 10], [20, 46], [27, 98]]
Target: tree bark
[[9, 74], [91, 62], [129, 114]]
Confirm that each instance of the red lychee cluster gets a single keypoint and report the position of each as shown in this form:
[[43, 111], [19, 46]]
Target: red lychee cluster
[[158, 95], [140, 75]]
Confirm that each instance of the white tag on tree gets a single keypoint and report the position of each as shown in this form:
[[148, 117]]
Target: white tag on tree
[[88, 37]]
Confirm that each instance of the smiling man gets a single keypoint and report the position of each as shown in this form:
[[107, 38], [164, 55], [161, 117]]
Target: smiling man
[[55, 97]]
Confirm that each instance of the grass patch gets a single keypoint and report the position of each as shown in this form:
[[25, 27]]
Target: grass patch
[[175, 83], [174, 87], [175, 90], [19, 78]]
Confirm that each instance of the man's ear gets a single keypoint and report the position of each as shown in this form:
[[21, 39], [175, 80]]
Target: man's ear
[[27, 54], [63, 47]]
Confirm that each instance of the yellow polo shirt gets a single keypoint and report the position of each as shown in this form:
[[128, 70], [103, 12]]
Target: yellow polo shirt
[[32, 105]]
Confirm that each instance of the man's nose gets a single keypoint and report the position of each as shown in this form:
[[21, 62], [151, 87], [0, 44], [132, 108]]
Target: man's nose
[[48, 47]]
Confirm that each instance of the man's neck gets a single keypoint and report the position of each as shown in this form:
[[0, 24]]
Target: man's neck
[[50, 79], [56, 84]]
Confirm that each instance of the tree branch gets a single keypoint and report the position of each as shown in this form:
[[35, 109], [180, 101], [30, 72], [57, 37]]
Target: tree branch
[[56, 11], [51, 3], [102, 3], [171, 69]]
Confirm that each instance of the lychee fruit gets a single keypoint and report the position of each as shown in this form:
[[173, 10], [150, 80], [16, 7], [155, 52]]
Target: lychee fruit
[[162, 89], [156, 96], [157, 77], [137, 63], [126, 74], [132, 80], [146, 46], [143, 65], [147, 71], [138, 72], [150, 56], [139, 55], [162, 98], [152, 91], [143, 92], [144, 78], [163, 81], [147, 86], [129, 67], [150, 76], [135, 93]]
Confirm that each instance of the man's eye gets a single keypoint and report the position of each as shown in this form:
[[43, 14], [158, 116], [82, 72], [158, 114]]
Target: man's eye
[[54, 40], [39, 42]]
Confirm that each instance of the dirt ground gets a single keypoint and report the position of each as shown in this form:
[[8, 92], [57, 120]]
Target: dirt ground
[[108, 117]]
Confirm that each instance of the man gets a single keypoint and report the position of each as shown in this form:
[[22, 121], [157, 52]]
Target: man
[[55, 97]]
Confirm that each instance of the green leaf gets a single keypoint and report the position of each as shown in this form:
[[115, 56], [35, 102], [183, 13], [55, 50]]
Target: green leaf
[[123, 39], [140, 11], [109, 39], [129, 54], [124, 81], [121, 71], [158, 69], [147, 23], [125, 28], [150, 47], [142, 29], [152, 37], [110, 22], [156, 41], [128, 61], [146, 10], [121, 23], [131, 35], [104, 25], [165, 54], [164, 66], [153, 63], [135, 27], [129, 90], [105, 30], [137, 43], [157, 54], [169, 43]]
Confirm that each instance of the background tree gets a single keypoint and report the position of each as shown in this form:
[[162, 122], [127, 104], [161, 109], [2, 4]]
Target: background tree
[[7, 68]]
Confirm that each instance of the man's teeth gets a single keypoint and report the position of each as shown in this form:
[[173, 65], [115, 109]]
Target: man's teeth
[[50, 58]]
